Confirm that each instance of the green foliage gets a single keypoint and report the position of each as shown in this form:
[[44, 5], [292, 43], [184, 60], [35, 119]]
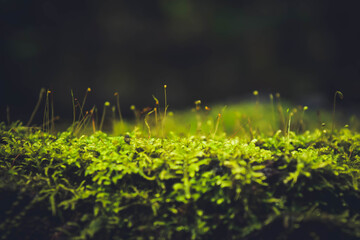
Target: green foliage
[[244, 180]]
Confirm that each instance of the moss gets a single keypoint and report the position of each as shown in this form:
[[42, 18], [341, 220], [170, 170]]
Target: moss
[[197, 176]]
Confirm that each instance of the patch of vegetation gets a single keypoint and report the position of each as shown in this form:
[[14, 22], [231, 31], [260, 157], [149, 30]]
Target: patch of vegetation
[[255, 171]]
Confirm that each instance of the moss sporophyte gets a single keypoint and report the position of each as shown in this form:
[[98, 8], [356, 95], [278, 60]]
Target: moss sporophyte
[[210, 173]]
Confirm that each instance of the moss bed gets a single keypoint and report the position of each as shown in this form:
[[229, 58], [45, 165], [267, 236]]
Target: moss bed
[[165, 180]]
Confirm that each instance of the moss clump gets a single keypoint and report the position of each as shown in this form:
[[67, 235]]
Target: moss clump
[[249, 171], [273, 186]]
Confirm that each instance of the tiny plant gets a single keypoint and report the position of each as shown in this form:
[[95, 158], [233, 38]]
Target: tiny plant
[[106, 105], [146, 122], [73, 107], [52, 128], [256, 94], [156, 110], [136, 115], [341, 96], [46, 118], [217, 124], [198, 116], [41, 94], [280, 113], [272, 110], [116, 94], [291, 113], [93, 119], [165, 109], [88, 90]]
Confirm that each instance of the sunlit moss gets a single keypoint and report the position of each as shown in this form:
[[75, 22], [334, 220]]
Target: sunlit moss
[[237, 176]]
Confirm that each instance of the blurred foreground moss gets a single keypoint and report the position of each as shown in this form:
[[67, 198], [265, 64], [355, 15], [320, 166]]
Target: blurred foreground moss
[[218, 174]]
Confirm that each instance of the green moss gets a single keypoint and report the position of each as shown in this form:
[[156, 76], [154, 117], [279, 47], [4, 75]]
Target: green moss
[[246, 180]]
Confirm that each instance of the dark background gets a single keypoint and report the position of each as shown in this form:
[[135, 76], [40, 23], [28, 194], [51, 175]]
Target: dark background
[[212, 50]]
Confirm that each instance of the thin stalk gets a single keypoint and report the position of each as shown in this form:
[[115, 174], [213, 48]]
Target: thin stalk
[[74, 110], [52, 120], [301, 121], [217, 124], [96, 116], [46, 118], [107, 104], [42, 91], [198, 117], [48, 110], [52, 128], [281, 113], [341, 96], [156, 109], [165, 109], [272, 110], [288, 130], [82, 123], [118, 107], [113, 117], [165, 95], [156, 117], [93, 120], [136, 115], [146, 122], [83, 103], [256, 94]]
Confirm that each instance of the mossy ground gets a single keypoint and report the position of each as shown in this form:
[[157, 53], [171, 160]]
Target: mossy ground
[[256, 171]]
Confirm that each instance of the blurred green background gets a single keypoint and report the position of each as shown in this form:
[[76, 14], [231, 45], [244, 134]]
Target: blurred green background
[[217, 51]]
